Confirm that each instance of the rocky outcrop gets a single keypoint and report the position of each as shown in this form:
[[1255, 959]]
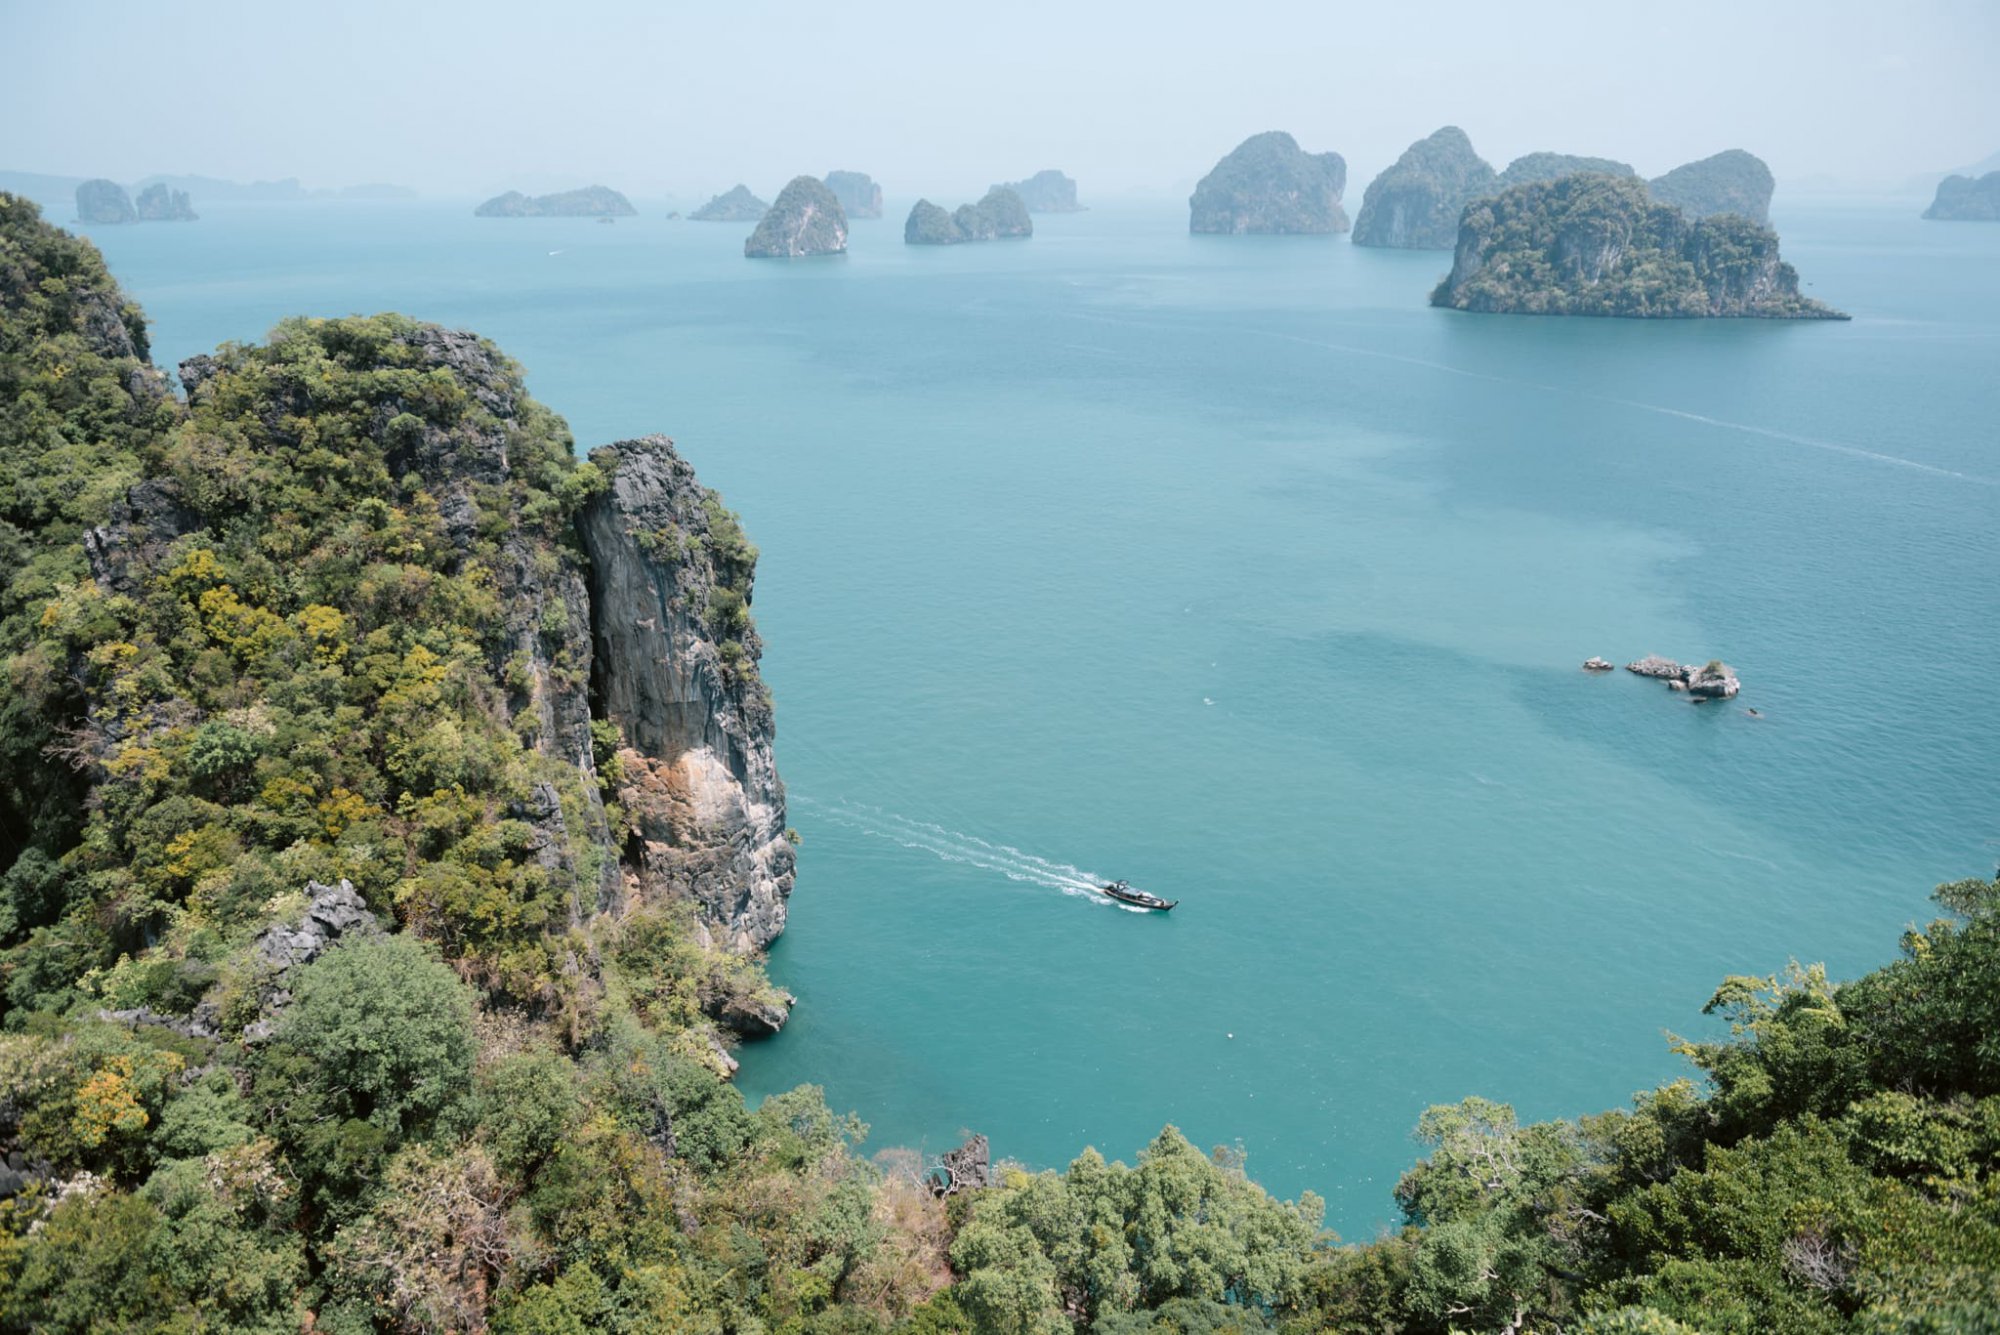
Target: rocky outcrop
[[1729, 182], [857, 192], [1001, 214], [102, 201], [333, 914], [1593, 244], [675, 668], [158, 203], [1046, 192], [1268, 184], [1415, 204], [1597, 665], [738, 205], [593, 201], [806, 220], [1532, 167], [1713, 680], [1967, 199]]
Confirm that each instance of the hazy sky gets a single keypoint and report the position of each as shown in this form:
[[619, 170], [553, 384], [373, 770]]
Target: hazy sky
[[936, 98]]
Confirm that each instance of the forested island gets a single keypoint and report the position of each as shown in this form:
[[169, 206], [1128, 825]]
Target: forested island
[[1001, 214], [1967, 199], [1046, 192], [807, 219], [1729, 182], [1416, 202], [1598, 244], [857, 192], [595, 201], [1544, 166], [734, 205], [384, 861], [1268, 184]]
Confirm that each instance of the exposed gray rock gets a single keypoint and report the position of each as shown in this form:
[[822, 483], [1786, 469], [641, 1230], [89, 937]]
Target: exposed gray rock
[[806, 220], [675, 667], [1714, 680], [201, 1024], [1597, 665], [333, 913], [1652, 665]]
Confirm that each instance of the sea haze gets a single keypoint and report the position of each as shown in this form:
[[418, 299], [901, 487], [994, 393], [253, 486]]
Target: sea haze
[[1228, 566]]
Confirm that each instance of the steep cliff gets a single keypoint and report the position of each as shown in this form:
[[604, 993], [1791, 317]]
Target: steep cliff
[[102, 201], [738, 205], [1046, 192], [1592, 244], [1414, 205], [1967, 199], [159, 203], [592, 201], [1269, 184], [676, 656], [857, 192], [807, 219], [1000, 215], [1732, 181]]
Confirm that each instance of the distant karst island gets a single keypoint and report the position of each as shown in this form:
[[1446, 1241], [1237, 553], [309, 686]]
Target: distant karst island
[[1268, 184], [999, 215], [857, 192], [1967, 199], [1597, 244], [593, 201], [1046, 192], [102, 201], [1732, 181], [1544, 166], [807, 219], [1415, 204], [738, 205]]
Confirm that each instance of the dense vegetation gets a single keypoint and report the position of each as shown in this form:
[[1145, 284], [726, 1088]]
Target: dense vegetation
[[290, 653], [806, 219], [1731, 181], [1532, 167], [999, 214], [1268, 184], [1597, 244]]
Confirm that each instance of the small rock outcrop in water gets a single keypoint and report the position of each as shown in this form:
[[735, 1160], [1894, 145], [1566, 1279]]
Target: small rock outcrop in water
[[1415, 204], [857, 192], [1713, 680], [1001, 214], [806, 220], [594, 201], [1597, 665], [1729, 182], [675, 668], [157, 203], [1967, 199], [1592, 244], [1268, 184], [738, 205], [1046, 192], [1531, 167], [102, 201]]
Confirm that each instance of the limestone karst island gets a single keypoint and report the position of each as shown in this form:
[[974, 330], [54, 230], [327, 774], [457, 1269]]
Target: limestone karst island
[[932, 760]]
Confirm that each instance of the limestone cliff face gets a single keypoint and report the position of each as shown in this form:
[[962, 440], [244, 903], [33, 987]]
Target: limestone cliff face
[[807, 219], [1967, 199], [1415, 204], [675, 667], [102, 201]]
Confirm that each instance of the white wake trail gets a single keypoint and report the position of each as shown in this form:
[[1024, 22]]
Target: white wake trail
[[965, 849]]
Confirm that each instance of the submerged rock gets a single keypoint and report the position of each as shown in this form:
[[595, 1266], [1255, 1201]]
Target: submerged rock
[[1729, 182], [1001, 214], [1416, 203], [1967, 199], [806, 220], [1268, 184], [1046, 192], [1592, 244], [738, 205], [102, 201], [857, 192], [594, 201]]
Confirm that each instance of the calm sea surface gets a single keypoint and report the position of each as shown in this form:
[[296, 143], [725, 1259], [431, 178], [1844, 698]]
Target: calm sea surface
[[1228, 566]]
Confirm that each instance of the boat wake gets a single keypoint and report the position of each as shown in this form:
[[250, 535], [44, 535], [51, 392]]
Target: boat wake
[[965, 849]]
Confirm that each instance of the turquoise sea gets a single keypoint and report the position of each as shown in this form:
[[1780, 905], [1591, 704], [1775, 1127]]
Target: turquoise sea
[[1228, 566]]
